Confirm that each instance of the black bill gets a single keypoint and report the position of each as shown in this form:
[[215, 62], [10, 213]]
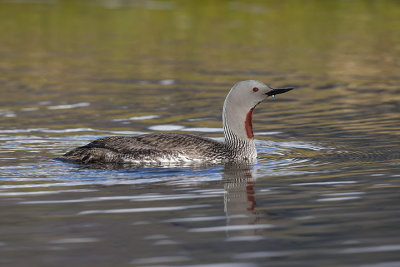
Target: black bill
[[277, 91]]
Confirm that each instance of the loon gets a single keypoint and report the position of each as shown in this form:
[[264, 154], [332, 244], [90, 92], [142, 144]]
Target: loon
[[237, 115]]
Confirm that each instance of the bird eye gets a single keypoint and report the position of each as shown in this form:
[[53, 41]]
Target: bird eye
[[255, 89]]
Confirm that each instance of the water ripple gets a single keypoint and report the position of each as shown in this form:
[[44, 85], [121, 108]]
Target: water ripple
[[142, 210]]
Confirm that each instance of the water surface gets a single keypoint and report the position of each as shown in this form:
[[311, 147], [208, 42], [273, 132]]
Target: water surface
[[325, 190]]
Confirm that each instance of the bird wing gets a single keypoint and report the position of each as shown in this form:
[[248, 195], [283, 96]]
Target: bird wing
[[144, 148]]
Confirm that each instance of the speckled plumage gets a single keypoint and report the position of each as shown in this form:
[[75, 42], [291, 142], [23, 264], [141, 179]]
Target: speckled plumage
[[149, 148], [166, 148]]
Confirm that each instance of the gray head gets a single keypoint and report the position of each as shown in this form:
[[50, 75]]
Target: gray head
[[248, 94], [239, 105]]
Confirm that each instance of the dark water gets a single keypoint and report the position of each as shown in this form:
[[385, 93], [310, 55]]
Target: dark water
[[325, 191]]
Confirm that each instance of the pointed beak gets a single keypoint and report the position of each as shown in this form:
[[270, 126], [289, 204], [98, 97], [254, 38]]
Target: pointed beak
[[277, 91]]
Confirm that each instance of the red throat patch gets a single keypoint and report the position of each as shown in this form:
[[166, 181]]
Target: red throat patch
[[248, 124]]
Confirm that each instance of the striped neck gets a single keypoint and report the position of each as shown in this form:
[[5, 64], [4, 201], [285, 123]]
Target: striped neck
[[238, 131]]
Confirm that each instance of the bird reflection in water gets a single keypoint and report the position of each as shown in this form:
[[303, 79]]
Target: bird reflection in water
[[239, 200]]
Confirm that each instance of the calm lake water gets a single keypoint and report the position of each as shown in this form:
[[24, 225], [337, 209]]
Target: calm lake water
[[325, 191]]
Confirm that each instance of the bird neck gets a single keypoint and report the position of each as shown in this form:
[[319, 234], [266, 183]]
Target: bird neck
[[238, 129]]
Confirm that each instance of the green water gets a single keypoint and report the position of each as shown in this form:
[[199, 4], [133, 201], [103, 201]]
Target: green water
[[324, 192]]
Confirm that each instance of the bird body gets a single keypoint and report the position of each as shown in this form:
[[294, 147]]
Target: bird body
[[171, 147]]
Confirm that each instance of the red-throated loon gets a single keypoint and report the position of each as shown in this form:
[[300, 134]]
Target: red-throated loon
[[239, 144]]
